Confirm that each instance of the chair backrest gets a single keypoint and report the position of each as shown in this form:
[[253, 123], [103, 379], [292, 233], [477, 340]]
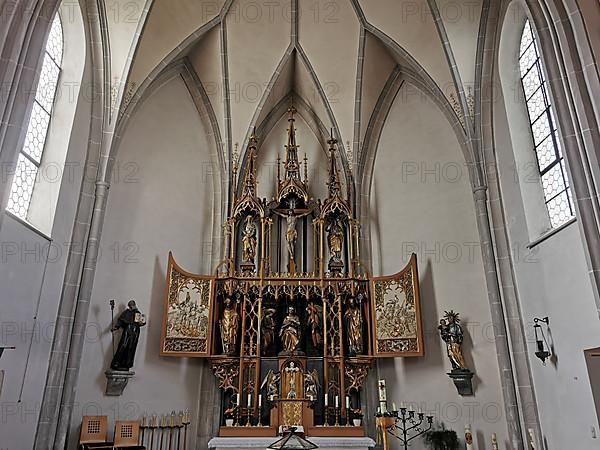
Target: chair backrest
[[93, 429], [127, 433]]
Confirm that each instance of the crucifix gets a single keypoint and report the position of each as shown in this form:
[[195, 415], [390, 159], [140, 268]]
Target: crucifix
[[292, 370]]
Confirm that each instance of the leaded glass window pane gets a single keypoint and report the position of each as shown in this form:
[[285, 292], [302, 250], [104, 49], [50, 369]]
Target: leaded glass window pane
[[22, 187], [30, 156], [553, 173]]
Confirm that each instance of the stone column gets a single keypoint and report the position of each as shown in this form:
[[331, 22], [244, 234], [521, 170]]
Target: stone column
[[509, 391]]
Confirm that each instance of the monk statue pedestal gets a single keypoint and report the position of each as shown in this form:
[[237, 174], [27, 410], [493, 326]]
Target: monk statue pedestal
[[116, 380]]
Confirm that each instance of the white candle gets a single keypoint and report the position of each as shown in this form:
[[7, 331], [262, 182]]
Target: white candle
[[326, 400], [494, 442], [468, 437], [347, 402], [401, 405], [394, 407], [249, 400], [237, 399], [532, 441], [382, 391], [259, 400], [337, 401]]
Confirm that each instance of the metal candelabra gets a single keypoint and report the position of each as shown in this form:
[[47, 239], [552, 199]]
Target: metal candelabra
[[404, 425]]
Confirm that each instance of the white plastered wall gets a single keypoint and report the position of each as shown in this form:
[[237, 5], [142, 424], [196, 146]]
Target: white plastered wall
[[162, 201], [421, 202]]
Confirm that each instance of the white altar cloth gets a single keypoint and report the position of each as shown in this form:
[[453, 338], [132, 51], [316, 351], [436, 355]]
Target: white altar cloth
[[324, 443]]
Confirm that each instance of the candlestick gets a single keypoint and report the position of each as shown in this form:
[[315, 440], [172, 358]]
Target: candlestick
[[494, 442], [468, 437], [403, 425], [532, 440]]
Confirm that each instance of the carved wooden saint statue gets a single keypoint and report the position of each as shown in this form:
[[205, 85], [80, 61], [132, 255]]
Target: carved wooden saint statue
[[228, 326], [249, 240], [291, 234], [130, 321], [311, 384], [452, 334], [271, 381], [314, 320], [268, 329], [354, 326], [335, 240], [290, 332]]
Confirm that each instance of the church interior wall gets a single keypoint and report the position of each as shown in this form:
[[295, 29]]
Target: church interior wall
[[168, 205], [31, 280], [421, 202], [551, 280]]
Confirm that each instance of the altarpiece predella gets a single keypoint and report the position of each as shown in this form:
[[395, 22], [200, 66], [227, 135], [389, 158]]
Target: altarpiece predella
[[291, 321]]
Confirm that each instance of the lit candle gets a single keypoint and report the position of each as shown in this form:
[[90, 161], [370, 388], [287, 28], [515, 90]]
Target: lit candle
[[347, 402], [337, 401], [249, 400], [259, 400]]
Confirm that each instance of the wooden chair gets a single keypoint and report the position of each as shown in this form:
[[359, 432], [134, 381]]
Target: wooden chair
[[127, 434], [94, 430]]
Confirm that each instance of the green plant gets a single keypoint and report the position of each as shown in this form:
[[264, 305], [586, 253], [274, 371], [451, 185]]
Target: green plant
[[441, 439]]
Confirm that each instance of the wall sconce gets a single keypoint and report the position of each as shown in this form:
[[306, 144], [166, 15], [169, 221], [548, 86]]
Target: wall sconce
[[542, 348]]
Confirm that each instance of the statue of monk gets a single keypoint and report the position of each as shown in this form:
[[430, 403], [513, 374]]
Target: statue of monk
[[130, 322], [228, 325]]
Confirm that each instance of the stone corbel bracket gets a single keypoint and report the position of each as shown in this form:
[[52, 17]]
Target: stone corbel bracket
[[116, 380]]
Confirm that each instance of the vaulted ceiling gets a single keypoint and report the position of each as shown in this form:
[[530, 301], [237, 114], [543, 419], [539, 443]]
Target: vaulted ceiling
[[335, 57]]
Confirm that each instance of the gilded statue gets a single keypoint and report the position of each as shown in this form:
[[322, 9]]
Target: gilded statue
[[314, 321], [452, 334], [290, 332], [268, 329], [228, 326], [292, 371], [335, 240], [271, 381], [249, 240], [354, 326], [291, 234], [311, 385]]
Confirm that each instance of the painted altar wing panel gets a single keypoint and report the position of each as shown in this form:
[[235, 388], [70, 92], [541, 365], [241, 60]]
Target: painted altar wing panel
[[188, 313], [396, 312]]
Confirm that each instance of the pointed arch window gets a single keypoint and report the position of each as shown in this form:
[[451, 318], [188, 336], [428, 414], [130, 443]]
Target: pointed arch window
[[30, 156], [551, 163]]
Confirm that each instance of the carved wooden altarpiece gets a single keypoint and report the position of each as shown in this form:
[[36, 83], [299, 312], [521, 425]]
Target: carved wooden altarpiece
[[290, 321]]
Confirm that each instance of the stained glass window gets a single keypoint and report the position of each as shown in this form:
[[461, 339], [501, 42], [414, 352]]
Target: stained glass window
[[30, 157], [551, 164]]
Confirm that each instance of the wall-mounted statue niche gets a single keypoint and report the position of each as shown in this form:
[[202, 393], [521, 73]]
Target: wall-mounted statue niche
[[293, 320]]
